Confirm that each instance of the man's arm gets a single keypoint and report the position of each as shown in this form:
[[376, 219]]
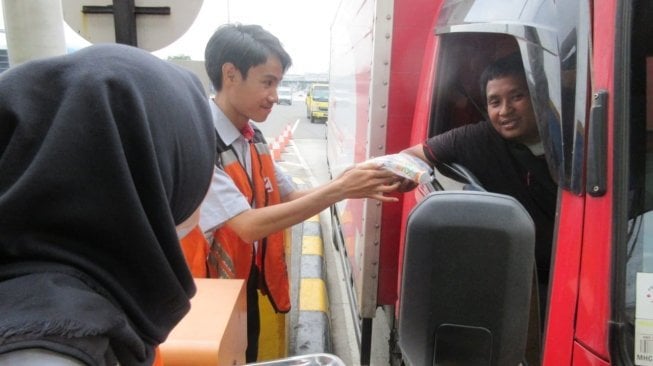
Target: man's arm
[[362, 181], [417, 151]]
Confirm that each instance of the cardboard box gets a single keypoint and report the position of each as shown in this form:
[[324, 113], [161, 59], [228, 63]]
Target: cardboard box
[[214, 332]]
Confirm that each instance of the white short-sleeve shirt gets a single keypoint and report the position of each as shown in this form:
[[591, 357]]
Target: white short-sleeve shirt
[[224, 200]]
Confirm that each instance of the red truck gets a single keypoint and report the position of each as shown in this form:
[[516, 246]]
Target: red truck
[[453, 268]]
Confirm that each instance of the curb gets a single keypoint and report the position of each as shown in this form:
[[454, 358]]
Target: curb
[[311, 324], [312, 328]]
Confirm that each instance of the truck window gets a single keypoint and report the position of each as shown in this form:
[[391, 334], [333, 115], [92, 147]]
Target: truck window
[[635, 241], [461, 59], [321, 94], [639, 234]]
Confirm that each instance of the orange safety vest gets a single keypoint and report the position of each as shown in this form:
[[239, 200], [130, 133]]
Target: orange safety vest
[[230, 256], [195, 248], [158, 359]]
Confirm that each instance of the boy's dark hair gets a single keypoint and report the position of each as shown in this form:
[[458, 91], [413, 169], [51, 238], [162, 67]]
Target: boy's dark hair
[[244, 46], [510, 65]]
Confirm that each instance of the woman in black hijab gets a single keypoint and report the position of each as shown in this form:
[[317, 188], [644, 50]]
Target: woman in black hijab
[[102, 153]]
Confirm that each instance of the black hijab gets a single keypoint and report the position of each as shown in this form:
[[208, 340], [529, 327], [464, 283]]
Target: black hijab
[[102, 153]]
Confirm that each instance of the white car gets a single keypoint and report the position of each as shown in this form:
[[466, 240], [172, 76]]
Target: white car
[[285, 95]]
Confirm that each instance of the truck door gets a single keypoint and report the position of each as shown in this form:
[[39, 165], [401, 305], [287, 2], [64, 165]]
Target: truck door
[[552, 38], [590, 71], [631, 169]]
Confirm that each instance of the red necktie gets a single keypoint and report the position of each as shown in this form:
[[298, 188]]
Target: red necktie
[[247, 132]]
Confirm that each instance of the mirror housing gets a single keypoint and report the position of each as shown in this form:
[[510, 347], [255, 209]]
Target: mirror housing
[[468, 268]]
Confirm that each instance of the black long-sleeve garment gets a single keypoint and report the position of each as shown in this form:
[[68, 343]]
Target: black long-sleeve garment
[[102, 153]]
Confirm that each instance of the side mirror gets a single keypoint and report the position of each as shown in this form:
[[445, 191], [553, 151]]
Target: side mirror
[[466, 282]]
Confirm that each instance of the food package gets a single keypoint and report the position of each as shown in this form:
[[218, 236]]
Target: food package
[[405, 165]]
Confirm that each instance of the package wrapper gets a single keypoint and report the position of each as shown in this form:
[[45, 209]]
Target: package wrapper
[[406, 166]]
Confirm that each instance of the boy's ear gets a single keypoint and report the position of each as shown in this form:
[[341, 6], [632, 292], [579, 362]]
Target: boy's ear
[[229, 72]]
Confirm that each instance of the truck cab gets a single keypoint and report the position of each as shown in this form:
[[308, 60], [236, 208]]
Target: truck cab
[[588, 66], [317, 102], [589, 70]]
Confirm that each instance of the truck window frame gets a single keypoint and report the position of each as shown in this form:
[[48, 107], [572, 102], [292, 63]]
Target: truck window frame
[[555, 51], [547, 35], [633, 213]]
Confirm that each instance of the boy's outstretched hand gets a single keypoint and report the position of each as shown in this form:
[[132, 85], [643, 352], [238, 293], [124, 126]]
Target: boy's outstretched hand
[[405, 184], [368, 180]]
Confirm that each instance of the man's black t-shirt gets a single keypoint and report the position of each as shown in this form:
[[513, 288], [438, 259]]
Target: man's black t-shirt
[[504, 167]]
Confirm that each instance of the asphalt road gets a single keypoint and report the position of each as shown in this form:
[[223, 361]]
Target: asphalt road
[[309, 143], [295, 116]]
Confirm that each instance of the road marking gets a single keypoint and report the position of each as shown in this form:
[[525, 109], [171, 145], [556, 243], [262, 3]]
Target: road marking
[[294, 127], [312, 295], [312, 245]]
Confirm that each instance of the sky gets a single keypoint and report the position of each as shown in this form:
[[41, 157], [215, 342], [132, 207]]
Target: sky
[[302, 26]]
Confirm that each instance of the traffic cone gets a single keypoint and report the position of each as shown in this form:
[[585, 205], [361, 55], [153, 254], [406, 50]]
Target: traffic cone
[[287, 133], [276, 151], [282, 142]]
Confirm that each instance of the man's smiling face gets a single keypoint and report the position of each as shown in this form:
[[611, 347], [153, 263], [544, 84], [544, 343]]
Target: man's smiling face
[[510, 110]]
